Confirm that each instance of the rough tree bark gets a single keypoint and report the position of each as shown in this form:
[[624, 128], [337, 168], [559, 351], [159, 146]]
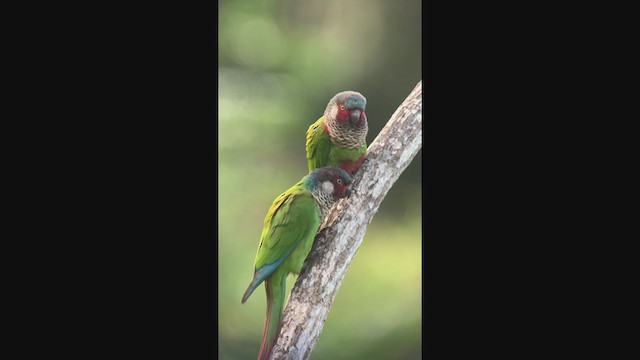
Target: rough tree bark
[[343, 230]]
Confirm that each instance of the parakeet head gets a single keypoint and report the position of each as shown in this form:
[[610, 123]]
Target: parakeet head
[[331, 182], [346, 110]]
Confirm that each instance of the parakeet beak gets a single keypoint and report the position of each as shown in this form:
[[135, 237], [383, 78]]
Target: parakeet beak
[[349, 190], [355, 117]]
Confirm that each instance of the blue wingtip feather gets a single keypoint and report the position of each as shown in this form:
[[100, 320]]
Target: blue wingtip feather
[[259, 276]]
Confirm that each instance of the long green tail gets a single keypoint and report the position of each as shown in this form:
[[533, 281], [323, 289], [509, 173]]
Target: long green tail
[[276, 286]]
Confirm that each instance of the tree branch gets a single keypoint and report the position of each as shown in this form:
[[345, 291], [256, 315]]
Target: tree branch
[[343, 230]]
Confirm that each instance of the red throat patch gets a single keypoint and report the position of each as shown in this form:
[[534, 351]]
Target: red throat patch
[[351, 166]]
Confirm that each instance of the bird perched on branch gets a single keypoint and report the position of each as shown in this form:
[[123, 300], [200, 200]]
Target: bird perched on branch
[[338, 138], [287, 236]]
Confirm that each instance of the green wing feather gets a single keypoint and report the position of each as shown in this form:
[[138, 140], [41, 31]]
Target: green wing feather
[[322, 152], [292, 218], [288, 233], [318, 145]]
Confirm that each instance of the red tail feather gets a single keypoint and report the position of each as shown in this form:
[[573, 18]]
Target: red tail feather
[[264, 348], [275, 286]]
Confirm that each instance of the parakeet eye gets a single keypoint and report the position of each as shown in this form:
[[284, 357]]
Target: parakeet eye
[[339, 181], [341, 107]]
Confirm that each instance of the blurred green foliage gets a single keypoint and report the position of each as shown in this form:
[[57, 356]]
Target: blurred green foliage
[[280, 61]]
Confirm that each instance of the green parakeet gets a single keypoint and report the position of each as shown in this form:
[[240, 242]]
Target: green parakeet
[[338, 138], [287, 236]]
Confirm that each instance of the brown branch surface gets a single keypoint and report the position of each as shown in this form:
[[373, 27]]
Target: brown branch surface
[[343, 230]]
